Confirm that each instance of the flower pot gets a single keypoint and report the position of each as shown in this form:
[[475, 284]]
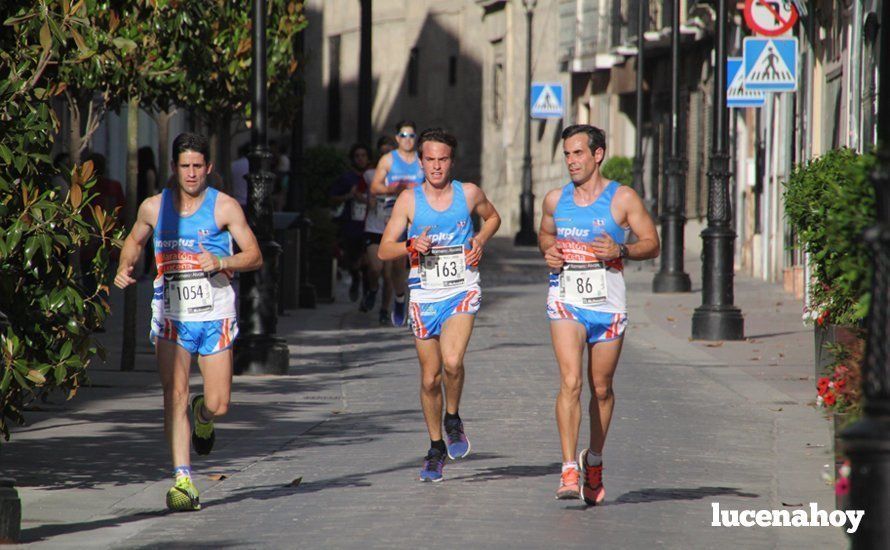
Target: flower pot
[[840, 422]]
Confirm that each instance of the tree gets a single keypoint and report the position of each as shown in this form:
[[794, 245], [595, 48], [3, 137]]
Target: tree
[[47, 343]]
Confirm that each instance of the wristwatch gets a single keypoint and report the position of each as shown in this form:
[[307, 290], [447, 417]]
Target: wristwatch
[[622, 251]]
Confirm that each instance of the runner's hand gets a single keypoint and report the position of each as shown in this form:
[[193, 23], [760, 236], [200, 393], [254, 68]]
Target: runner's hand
[[605, 247], [209, 262], [554, 258], [124, 277], [475, 252], [422, 243]]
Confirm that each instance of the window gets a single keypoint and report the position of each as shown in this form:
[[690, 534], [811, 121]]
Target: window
[[452, 70], [413, 72], [334, 88], [497, 87]]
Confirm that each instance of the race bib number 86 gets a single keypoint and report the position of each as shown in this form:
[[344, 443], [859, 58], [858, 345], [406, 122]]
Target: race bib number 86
[[583, 284], [187, 292]]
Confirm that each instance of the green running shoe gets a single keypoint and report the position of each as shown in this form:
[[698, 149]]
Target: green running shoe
[[183, 497], [203, 434]]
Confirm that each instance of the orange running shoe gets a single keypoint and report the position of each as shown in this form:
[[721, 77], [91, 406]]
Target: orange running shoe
[[592, 491], [569, 485]]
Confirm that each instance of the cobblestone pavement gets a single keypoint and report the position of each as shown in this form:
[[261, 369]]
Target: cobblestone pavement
[[328, 456]]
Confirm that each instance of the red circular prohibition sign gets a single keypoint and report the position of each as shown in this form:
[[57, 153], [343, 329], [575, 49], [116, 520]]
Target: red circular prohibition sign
[[783, 23]]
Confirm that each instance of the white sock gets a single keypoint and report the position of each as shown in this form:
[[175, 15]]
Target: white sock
[[593, 459], [569, 466]]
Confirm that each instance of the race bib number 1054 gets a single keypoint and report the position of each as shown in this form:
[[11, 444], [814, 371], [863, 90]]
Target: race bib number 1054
[[187, 292]]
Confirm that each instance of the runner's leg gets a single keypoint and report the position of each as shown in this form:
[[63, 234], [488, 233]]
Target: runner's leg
[[602, 362], [216, 370], [429, 355], [569, 339], [173, 366], [455, 338]]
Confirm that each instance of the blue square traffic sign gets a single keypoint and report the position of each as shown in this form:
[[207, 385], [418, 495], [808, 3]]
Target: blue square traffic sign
[[547, 100], [736, 93], [770, 64]]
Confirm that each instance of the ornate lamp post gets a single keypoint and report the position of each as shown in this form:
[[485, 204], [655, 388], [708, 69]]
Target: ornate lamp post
[[717, 318], [868, 440], [365, 83], [671, 277], [642, 9], [527, 235], [257, 350]]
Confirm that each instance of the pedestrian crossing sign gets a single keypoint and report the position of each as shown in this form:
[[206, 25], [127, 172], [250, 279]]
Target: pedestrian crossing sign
[[546, 100], [770, 64], [736, 93]]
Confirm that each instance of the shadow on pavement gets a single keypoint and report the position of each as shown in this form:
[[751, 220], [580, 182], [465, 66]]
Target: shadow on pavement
[[660, 494], [511, 472]]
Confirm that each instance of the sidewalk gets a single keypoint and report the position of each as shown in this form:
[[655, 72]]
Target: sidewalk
[[695, 423]]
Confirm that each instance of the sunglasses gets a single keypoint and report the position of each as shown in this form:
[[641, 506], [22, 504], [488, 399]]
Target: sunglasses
[[406, 135]]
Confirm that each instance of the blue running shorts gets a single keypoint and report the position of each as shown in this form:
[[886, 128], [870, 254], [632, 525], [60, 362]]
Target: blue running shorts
[[201, 337], [600, 326], [426, 319]]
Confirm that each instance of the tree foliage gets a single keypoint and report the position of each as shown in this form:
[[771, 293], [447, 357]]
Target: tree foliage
[[47, 344]]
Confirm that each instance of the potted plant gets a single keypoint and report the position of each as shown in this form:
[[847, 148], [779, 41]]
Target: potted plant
[[830, 202]]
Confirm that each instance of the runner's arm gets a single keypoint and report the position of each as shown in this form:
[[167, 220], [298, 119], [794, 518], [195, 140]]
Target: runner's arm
[[135, 241], [390, 247], [231, 216], [378, 184], [486, 210], [547, 232], [640, 222]]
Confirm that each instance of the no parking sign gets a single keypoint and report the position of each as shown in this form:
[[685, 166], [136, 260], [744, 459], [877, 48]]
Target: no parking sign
[[770, 17]]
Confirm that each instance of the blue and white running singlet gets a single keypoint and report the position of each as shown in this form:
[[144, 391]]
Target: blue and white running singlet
[[586, 282], [443, 273], [399, 172], [182, 291]]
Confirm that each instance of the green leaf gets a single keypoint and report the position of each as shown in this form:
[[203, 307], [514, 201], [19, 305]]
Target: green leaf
[[59, 373], [31, 246], [7, 378], [65, 351], [124, 44], [46, 40], [6, 154], [36, 377]]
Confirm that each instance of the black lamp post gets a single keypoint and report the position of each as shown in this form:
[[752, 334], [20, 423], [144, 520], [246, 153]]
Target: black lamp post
[[671, 277], [717, 318], [868, 440], [642, 12], [365, 83], [257, 350], [527, 235]]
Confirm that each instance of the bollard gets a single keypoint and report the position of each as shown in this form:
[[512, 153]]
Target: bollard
[[10, 512]]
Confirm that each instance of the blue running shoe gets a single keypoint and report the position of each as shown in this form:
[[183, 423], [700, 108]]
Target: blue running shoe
[[398, 312], [433, 465], [456, 439]]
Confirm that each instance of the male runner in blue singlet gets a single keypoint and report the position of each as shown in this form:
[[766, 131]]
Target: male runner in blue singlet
[[193, 307], [444, 283], [396, 171], [582, 238]]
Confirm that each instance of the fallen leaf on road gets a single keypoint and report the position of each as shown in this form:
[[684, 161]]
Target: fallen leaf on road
[[755, 359], [714, 344], [753, 340], [671, 319], [791, 504], [217, 477], [814, 445], [296, 482], [780, 409], [781, 355]]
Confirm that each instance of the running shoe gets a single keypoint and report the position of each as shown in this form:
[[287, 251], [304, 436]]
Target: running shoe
[[398, 313], [354, 289], [367, 303], [433, 465], [592, 491], [183, 497], [384, 317], [456, 439], [569, 485], [203, 435]]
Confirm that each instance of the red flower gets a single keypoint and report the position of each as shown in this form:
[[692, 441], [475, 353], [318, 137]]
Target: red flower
[[842, 486], [829, 398], [822, 317], [840, 383], [822, 385]]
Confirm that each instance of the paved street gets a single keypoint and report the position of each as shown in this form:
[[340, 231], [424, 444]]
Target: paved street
[[328, 456]]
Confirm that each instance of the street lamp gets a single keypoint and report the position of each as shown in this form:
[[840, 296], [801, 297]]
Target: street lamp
[[526, 235], [717, 318], [642, 12], [868, 440], [257, 350], [671, 277]]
